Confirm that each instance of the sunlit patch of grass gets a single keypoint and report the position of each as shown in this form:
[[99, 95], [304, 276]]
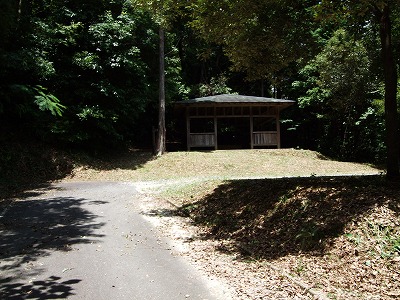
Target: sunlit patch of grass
[[139, 166], [186, 192]]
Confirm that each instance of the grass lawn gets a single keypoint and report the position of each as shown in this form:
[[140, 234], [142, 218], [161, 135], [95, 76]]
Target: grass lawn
[[141, 166]]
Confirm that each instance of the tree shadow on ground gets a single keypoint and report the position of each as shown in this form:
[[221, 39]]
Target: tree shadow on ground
[[24, 165], [272, 218], [27, 165], [38, 225], [51, 288], [126, 160]]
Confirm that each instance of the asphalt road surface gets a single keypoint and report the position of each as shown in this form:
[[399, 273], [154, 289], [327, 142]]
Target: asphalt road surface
[[90, 241]]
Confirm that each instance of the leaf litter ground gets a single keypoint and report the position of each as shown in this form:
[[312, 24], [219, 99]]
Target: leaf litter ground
[[339, 235]]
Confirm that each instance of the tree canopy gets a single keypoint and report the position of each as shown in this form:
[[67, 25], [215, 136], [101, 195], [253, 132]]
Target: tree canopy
[[259, 37], [382, 13], [85, 74]]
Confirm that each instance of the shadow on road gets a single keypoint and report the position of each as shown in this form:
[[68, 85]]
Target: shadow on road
[[51, 288], [36, 226]]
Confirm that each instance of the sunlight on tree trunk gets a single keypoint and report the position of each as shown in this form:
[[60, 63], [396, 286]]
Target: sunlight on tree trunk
[[160, 149], [19, 10]]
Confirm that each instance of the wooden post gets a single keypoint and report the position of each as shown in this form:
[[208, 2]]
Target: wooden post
[[187, 129], [251, 128], [215, 132], [278, 130]]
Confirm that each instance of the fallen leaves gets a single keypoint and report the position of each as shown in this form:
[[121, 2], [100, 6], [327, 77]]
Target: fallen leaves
[[341, 234]]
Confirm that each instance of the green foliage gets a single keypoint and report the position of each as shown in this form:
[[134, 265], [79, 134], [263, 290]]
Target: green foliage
[[115, 78], [338, 96], [47, 101], [43, 100], [344, 68], [86, 60], [360, 15], [164, 12], [339, 75], [217, 86], [259, 37], [384, 237], [98, 57], [308, 235]]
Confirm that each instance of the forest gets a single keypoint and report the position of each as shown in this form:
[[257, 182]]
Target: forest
[[85, 74]]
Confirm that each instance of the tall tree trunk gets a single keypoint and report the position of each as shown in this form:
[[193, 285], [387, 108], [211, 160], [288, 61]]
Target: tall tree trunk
[[19, 10], [160, 146], [390, 71]]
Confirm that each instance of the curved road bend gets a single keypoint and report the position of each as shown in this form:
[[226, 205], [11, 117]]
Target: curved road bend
[[89, 241]]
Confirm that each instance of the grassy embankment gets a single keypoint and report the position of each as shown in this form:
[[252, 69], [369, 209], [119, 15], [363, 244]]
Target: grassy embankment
[[292, 208]]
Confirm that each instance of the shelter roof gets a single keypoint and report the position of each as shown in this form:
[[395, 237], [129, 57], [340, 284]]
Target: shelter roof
[[231, 99]]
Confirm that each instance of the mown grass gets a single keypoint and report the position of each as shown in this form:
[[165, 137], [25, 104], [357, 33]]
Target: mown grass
[[141, 166]]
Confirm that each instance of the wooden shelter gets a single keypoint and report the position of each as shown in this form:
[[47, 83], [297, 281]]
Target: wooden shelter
[[253, 121]]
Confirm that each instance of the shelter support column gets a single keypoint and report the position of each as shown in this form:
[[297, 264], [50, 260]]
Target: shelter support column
[[278, 131], [251, 129], [187, 129], [215, 131]]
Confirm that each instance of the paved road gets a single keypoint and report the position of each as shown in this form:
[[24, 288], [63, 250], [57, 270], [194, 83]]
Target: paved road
[[90, 241]]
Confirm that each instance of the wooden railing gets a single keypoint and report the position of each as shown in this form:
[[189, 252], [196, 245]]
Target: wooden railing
[[202, 140], [260, 138], [265, 138]]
